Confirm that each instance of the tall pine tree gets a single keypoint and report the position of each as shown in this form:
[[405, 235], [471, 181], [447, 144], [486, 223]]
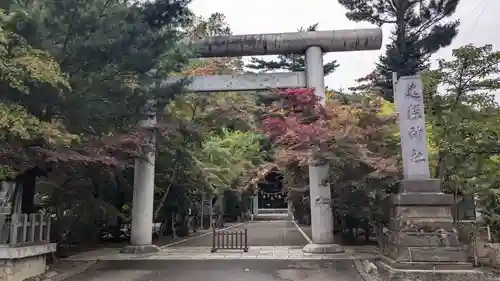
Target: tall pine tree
[[420, 29]]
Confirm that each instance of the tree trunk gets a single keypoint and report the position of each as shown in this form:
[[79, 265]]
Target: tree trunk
[[440, 168], [162, 202]]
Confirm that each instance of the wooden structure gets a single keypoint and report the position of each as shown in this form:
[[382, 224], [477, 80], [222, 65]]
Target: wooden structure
[[25, 229], [24, 234], [229, 240]]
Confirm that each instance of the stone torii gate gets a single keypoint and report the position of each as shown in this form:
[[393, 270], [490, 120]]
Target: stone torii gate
[[313, 44]]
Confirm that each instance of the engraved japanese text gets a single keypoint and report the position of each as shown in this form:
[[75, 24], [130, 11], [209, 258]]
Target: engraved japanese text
[[417, 156], [415, 133], [412, 92], [415, 112]]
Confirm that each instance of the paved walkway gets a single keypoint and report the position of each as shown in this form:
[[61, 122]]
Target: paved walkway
[[248, 270], [260, 233], [203, 253], [276, 240], [275, 254]]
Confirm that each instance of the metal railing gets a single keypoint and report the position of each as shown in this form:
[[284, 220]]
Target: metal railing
[[230, 240], [24, 229]]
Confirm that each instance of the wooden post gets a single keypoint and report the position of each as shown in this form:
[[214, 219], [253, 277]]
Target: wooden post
[[2, 227], [214, 246], [13, 229], [49, 222], [33, 218], [246, 241], [25, 228], [40, 230]]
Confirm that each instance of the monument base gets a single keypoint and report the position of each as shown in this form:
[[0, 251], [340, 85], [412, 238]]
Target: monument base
[[140, 249], [389, 273], [323, 249]]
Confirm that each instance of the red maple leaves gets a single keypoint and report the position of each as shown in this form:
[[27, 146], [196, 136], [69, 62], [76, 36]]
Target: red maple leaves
[[298, 122], [295, 121]]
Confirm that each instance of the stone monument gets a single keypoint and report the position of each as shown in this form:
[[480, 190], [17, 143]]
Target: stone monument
[[422, 242]]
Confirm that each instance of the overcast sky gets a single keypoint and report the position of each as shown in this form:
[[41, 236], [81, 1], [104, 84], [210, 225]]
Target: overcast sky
[[480, 23]]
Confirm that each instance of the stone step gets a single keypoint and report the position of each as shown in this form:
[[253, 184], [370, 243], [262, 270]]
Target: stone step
[[272, 217], [273, 211]]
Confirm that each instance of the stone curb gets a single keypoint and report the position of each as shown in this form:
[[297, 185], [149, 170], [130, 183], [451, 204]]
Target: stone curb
[[73, 272]]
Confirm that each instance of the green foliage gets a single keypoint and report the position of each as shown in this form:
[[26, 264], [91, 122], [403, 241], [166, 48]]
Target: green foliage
[[214, 148], [214, 25], [84, 67], [109, 50], [74, 76], [464, 125], [17, 125], [26, 72], [464, 116], [226, 158]]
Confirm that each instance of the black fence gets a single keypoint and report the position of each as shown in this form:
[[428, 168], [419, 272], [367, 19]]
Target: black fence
[[230, 240]]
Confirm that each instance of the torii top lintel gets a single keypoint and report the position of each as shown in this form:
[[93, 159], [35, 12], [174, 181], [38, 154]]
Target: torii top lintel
[[288, 43]]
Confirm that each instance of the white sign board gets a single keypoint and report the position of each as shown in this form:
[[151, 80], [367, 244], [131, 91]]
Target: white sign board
[[410, 106]]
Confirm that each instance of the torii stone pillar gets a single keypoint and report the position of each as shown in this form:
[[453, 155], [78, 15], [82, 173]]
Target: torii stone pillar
[[319, 192], [313, 45], [141, 240]]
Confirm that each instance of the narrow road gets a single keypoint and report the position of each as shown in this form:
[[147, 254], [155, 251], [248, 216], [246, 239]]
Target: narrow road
[[260, 233], [228, 270]]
